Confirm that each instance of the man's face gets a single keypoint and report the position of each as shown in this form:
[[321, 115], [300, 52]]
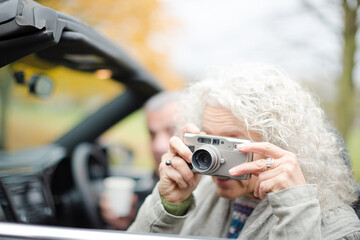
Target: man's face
[[161, 124], [220, 121]]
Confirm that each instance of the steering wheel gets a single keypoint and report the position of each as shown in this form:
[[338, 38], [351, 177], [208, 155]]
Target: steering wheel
[[89, 161]]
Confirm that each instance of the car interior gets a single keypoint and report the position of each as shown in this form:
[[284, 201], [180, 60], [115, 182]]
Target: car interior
[[59, 183]]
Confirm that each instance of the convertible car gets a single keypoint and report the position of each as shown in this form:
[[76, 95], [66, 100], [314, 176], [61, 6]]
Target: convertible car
[[58, 182]]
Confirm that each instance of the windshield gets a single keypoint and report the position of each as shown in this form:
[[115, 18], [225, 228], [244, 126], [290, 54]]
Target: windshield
[[29, 120]]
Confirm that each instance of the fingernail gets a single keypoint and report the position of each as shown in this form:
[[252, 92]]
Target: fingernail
[[195, 129], [232, 171], [241, 147]]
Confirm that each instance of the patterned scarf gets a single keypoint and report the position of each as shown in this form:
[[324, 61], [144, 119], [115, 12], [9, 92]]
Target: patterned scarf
[[243, 207]]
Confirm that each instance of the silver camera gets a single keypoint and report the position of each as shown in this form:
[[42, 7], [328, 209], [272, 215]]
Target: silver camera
[[215, 155]]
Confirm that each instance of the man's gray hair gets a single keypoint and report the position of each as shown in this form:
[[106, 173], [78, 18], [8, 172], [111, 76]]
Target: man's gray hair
[[159, 100], [274, 106]]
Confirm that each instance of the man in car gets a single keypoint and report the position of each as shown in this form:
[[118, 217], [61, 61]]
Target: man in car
[[161, 113]]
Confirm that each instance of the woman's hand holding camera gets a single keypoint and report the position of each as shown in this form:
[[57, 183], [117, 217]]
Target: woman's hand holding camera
[[177, 181], [283, 171], [276, 169]]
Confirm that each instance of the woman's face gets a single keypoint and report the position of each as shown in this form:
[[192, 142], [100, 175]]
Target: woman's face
[[220, 121]]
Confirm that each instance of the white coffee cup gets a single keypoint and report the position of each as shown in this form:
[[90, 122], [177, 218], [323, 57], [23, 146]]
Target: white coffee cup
[[119, 192]]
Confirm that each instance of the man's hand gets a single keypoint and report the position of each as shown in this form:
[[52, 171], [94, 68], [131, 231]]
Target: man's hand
[[120, 223]]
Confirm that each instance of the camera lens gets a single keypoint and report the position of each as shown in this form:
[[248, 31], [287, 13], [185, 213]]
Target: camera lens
[[202, 159], [206, 159]]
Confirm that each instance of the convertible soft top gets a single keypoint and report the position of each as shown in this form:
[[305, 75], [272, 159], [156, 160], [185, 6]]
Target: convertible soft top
[[27, 27]]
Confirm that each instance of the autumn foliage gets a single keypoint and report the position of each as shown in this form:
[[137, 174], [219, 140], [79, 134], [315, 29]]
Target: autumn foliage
[[140, 27]]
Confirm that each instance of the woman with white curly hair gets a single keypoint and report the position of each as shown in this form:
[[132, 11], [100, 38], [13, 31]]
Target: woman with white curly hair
[[300, 187]]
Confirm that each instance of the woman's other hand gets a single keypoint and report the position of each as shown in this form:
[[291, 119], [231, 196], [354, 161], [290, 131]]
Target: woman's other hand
[[277, 169]]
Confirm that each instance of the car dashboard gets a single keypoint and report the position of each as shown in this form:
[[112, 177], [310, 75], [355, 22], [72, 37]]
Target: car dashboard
[[25, 185], [25, 200]]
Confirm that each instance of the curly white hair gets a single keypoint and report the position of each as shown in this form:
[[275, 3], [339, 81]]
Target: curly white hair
[[273, 105]]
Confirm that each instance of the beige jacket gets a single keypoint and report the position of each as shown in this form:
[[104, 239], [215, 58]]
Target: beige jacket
[[293, 213]]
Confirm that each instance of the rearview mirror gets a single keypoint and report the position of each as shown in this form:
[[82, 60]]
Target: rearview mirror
[[39, 85]]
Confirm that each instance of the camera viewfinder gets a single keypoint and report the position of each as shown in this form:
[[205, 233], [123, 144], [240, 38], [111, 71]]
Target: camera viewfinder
[[216, 141], [204, 140]]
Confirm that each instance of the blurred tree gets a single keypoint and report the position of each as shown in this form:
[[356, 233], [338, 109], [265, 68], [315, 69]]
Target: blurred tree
[[137, 26], [346, 98], [345, 106]]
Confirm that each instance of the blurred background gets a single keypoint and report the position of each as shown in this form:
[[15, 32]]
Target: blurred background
[[314, 41]]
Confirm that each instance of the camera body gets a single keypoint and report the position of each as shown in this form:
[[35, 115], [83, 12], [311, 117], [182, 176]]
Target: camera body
[[215, 155]]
